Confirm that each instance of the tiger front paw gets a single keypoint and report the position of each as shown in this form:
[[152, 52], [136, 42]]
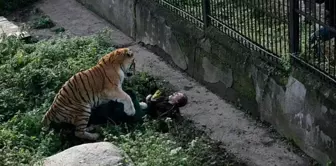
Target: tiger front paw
[[130, 111]]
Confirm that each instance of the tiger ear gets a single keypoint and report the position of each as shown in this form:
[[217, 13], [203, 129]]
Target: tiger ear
[[116, 52]]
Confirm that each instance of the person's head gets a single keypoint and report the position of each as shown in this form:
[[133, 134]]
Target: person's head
[[178, 98]]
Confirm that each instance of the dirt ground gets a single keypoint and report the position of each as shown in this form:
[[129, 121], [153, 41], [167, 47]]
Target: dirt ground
[[249, 140]]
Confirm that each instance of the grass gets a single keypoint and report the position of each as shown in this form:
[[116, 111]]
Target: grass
[[33, 73], [149, 145], [42, 22]]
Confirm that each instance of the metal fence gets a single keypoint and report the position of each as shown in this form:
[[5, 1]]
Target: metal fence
[[304, 29]]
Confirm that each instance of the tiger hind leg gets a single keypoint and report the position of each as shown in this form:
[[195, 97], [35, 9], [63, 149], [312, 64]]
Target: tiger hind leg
[[82, 132], [46, 120], [82, 129], [86, 135], [92, 127]]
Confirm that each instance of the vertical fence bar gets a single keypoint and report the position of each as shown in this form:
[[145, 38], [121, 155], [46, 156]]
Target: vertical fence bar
[[294, 27], [206, 13]]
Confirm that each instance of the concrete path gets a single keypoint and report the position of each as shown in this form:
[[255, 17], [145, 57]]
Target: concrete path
[[241, 135]]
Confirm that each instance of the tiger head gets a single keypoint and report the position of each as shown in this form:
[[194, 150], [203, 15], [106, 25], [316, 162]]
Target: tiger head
[[123, 57]]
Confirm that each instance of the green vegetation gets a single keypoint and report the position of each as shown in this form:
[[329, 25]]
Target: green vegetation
[[33, 73], [147, 146], [43, 22], [7, 6]]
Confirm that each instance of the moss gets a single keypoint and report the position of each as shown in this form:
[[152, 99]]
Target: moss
[[244, 86], [225, 58], [281, 78]]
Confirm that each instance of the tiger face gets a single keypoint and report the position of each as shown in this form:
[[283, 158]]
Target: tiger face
[[122, 56], [128, 66]]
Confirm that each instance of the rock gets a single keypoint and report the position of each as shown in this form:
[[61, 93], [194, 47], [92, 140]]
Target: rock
[[101, 153], [10, 29]]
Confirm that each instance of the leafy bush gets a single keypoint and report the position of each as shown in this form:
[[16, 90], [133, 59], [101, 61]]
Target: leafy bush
[[31, 75], [42, 22]]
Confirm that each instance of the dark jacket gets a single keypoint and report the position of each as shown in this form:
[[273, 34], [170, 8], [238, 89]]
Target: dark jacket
[[113, 112], [161, 108]]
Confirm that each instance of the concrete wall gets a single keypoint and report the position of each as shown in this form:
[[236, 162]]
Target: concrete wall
[[297, 104], [118, 12]]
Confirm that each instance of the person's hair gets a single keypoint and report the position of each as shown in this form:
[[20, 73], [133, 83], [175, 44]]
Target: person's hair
[[181, 99]]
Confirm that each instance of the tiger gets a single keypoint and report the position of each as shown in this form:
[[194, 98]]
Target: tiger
[[90, 88]]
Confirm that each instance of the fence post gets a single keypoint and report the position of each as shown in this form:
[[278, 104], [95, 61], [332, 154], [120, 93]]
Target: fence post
[[294, 27], [206, 13]]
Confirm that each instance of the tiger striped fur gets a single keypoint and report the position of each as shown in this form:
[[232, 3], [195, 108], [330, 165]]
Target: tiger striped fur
[[90, 88]]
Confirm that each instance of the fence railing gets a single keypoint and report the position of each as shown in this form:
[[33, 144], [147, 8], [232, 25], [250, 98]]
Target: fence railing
[[275, 28]]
